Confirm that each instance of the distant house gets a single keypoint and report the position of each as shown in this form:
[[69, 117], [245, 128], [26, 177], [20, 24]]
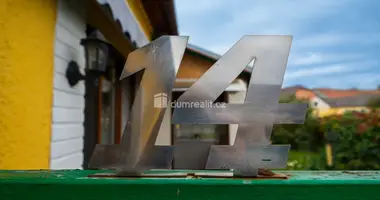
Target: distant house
[[327, 101], [299, 92], [336, 106], [337, 93]]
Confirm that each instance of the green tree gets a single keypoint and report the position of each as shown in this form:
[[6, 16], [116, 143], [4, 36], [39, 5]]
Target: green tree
[[358, 143], [305, 137], [374, 102]]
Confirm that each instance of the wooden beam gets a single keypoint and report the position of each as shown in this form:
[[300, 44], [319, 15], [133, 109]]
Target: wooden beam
[[97, 18]]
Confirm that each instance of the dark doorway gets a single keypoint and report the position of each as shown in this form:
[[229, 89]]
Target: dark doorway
[[103, 105], [91, 117]]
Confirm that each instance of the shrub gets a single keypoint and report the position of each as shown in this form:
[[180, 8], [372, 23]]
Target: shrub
[[374, 103], [302, 137], [355, 138], [301, 160], [358, 140]]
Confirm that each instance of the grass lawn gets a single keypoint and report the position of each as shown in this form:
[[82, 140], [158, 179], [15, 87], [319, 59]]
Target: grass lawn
[[303, 160]]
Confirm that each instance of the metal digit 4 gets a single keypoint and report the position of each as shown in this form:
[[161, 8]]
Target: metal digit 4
[[256, 116]]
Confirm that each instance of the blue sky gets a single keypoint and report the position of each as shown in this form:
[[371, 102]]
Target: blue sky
[[336, 43]]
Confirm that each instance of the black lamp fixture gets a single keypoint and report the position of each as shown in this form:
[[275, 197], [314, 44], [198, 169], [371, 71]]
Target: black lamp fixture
[[96, 52]]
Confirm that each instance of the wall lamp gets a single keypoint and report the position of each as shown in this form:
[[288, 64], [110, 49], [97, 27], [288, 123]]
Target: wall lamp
[[96, 52]]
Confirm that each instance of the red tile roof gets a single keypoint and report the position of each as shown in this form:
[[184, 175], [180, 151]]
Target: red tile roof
[[328, 93], [337, 93]]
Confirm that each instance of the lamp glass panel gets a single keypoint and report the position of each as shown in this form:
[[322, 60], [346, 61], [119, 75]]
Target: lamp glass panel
[[102, 57], [92, 56]]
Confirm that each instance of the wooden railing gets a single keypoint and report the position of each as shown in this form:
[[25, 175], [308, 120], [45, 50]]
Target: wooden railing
[[76, 184]]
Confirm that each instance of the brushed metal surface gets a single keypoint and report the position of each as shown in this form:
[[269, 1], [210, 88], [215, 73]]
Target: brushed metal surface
[[258, 113], [246, 158], [191, 154], [160, 61], [243, 113]]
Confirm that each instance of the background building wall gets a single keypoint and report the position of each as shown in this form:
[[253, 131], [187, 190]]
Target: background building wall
[[193, 66], [342, 110], [235, 98], [68, 102], [319, 104], [26, 60]]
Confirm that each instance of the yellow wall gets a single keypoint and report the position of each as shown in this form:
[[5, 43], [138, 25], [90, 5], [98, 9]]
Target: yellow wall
[[26, 77], [339, 111]]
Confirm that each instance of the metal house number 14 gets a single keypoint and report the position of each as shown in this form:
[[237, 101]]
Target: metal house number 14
[[251, 150]]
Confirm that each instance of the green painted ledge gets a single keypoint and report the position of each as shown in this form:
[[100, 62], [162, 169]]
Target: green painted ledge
[[75, 184]]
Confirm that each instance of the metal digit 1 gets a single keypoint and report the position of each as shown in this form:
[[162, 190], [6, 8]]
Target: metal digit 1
[[160, 61], [260, 110]]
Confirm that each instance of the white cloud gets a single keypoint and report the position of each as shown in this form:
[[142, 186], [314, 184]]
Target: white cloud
[[329, 37], [230, 20], [324, 39], [359, 66], [337, 39], [220, 49], [281, 17], [191, 7], [316, 71], [360, 81], [312, 58]]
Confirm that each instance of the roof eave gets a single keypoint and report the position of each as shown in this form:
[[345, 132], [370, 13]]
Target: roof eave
[[162, 16]]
